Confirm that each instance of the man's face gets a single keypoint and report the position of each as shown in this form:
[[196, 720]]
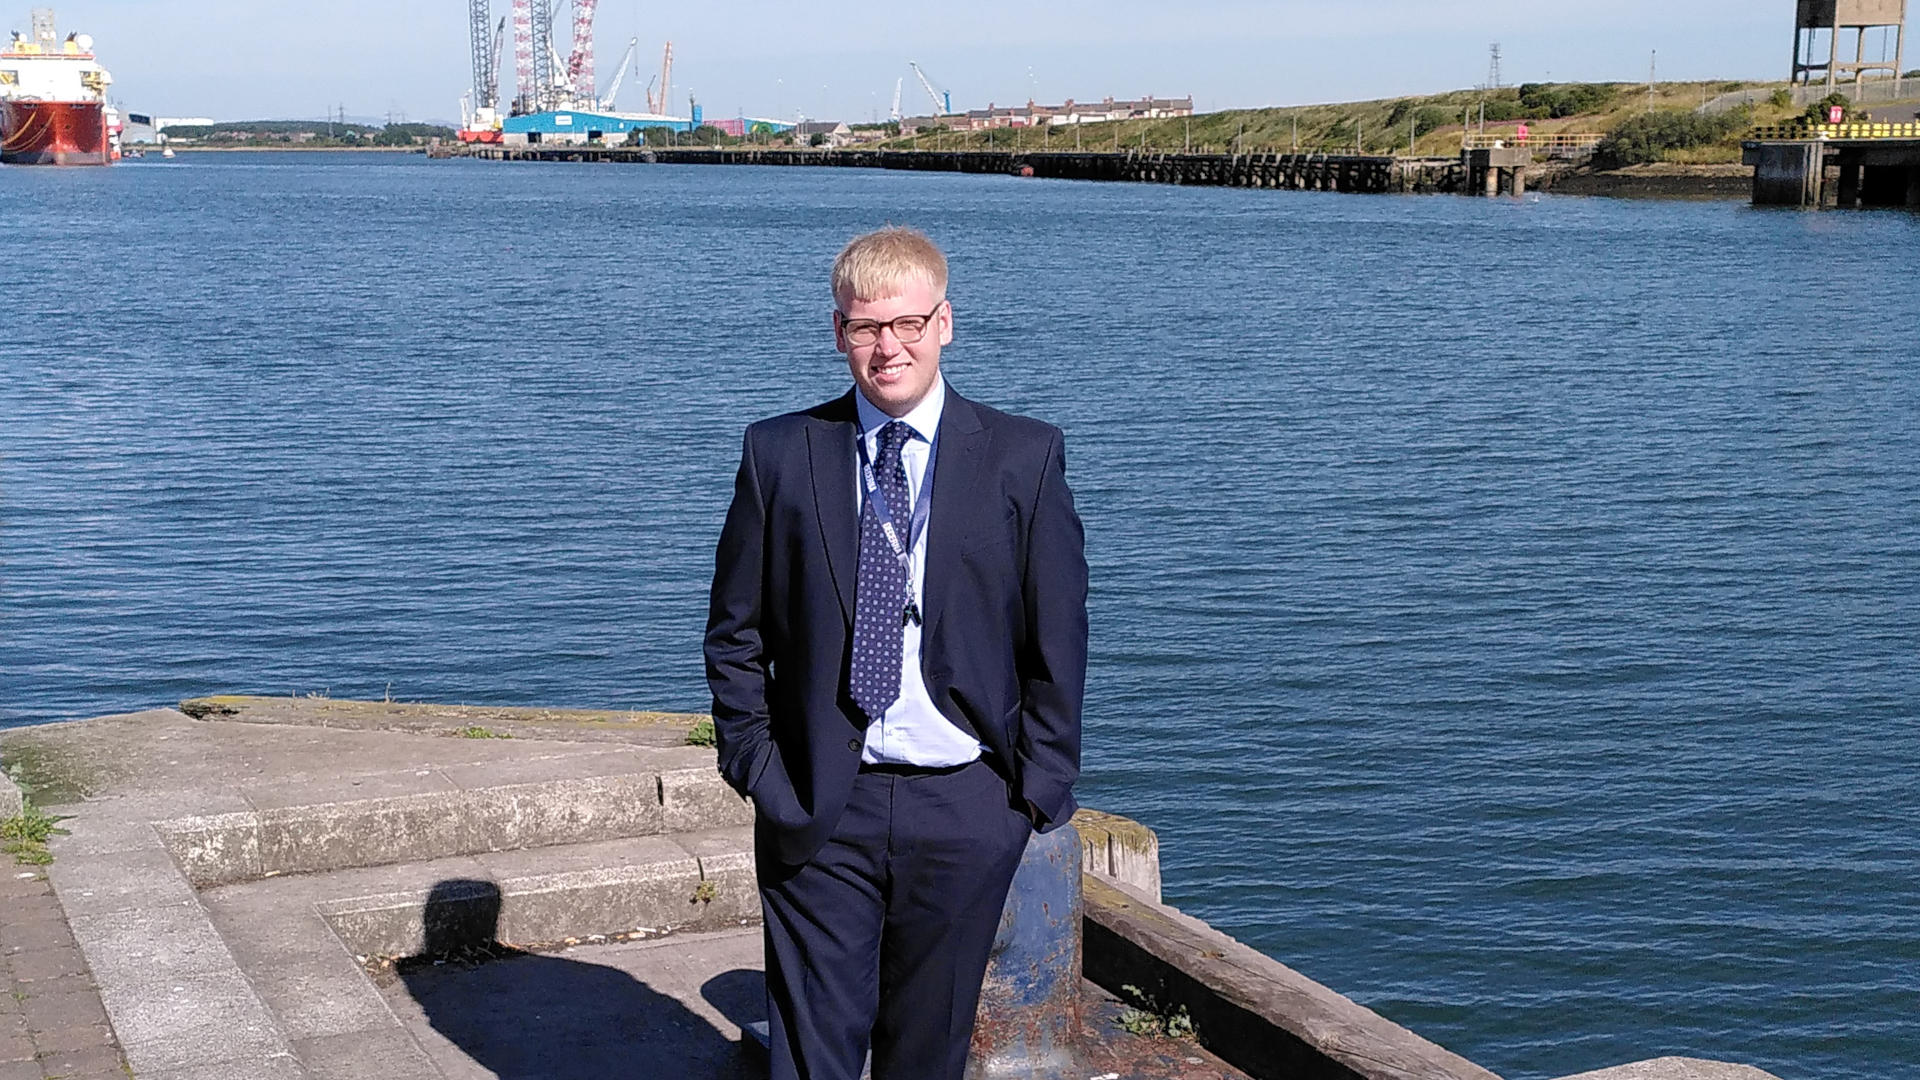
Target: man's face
[[895, 375]]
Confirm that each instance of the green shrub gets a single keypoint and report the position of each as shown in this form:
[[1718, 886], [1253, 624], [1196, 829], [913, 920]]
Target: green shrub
[[1425, 117], [1150, 1019], [1649, 136], [1817, 112], [1556, 101], [1781, 99], [702, 734], [1500, 110], [25, 836]]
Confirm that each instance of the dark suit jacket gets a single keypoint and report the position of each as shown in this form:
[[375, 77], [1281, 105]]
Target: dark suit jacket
[[1004, 647]]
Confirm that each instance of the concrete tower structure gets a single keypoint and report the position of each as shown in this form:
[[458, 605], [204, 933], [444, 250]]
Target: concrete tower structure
[[1831, 20]]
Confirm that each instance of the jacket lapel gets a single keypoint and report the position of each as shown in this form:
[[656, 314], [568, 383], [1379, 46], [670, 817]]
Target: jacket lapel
[[956, 473], [831, 455]]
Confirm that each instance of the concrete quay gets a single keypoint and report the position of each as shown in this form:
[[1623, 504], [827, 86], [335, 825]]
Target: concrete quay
[[1356, 173], [255, 888], [1857, 166]]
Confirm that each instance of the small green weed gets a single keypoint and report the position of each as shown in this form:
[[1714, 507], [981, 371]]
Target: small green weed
[[25, 835], [478, 732], [705, 893], [702, 734], [1151, 1020]]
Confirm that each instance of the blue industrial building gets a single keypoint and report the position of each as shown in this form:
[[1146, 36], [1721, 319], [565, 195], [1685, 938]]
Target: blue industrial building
[[575, 126]]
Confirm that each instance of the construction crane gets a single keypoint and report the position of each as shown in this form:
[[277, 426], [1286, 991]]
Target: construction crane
[[523, 95], [580, 61], [895, 113], [658, 105], [606, 103], [538, 75], [486, 88], [493, 64], [942, 99]]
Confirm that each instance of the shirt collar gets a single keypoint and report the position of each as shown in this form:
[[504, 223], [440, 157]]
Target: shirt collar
[[924, 419]]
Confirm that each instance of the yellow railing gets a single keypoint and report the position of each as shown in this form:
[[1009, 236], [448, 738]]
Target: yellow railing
[[1804, 132], [1546, 142]]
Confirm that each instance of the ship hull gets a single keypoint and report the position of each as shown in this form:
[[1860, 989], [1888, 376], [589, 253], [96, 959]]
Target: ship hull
[[53, 133]]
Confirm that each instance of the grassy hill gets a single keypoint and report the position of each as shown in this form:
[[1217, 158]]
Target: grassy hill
[[1437, 122]]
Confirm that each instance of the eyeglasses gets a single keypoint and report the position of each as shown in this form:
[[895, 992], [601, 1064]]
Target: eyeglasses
[[907, 329]]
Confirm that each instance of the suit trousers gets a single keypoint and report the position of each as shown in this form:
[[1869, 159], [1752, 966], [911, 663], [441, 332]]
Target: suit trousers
[[880, 941]]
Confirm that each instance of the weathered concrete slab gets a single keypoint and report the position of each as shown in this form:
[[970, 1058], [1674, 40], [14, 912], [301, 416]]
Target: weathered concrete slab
[[1677, 1068], [246, 800], [574, 725], [673, 1007], [1121, 849], [407, 828], [12, 801], [271, 766]]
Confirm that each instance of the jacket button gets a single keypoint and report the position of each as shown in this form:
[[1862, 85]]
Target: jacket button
[[853, 745]]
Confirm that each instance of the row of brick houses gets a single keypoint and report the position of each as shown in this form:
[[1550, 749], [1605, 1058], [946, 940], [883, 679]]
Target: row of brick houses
[[1068, 112]]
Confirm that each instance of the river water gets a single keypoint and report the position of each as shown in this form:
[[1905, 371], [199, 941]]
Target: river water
[[1506, 611]]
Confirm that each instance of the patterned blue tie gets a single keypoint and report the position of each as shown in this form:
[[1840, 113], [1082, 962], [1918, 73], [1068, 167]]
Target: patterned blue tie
[[881, 587]]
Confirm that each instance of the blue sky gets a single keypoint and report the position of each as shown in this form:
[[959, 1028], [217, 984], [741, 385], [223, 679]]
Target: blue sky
[[234, 59]]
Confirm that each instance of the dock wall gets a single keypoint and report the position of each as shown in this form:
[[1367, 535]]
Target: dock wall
[[258, 852], [1864, 170], [1370, 174], [1254, 1012]]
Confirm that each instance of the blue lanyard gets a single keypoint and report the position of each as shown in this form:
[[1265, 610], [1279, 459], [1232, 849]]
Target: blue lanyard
[[922, 507]]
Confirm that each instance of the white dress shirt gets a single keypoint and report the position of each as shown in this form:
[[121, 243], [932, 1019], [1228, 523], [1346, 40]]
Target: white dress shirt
[[912, 732]]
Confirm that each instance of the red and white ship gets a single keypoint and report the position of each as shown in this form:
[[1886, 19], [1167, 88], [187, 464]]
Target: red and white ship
[[53, 100]]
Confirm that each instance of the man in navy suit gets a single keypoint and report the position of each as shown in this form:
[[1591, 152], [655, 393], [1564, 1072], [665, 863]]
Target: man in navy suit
[[897, 647]]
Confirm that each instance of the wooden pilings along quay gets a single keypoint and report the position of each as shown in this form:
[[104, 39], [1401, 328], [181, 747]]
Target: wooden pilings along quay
[[1295, 172]]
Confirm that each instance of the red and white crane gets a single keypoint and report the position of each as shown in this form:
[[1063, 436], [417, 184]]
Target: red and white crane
[[580, 62]]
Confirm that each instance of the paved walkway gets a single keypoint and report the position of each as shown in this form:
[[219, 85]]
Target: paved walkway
[[51, 1021]]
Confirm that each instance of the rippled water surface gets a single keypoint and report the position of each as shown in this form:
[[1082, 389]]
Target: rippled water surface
[[1506, 612]]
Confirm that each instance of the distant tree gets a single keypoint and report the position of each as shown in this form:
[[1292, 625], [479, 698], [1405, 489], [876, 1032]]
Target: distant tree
[[410, 134], [1649, 136], [1817, 113], [1781, 99], [1500, 110], [1544, 101]]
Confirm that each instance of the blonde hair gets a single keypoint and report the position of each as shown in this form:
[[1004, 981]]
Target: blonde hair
[[877, 265]]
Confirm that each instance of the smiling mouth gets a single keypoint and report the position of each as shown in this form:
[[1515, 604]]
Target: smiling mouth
[[886, 370]]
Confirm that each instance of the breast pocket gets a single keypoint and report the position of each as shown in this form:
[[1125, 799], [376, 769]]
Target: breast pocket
[[987, 535]]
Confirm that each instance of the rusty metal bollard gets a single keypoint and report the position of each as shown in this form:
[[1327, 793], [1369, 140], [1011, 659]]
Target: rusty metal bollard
[[1029, 1017]]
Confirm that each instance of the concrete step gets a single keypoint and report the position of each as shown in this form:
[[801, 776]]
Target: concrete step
[[341, 823], [299, 939]]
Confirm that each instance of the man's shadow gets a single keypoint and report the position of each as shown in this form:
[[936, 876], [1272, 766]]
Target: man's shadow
[[525, 1016]]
